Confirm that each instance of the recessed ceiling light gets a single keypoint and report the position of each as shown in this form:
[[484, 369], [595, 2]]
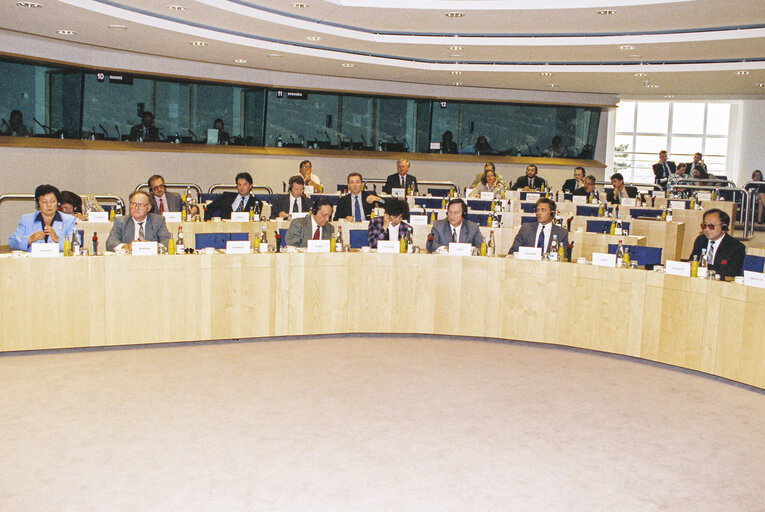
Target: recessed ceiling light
[[176, 8], [240, 61], [634, 55], [457, 83], [454, 14], [198, 43], [299, 5], [669, 96], [30, 5], [314, 38], [456, 72], [118, 27], [546, 73], [626, 47], [640, 74], [759, 85], [455, 48], [456, 55], [652, 86], [348, 65], [742, 73], [553, 86], [65, 32], [606, 12], [274, 55]]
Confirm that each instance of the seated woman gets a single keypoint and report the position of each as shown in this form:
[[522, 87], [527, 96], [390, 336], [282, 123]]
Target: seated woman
[[700, 173], [70, 203], [47, 225], [759, 193], [391, 225], [489, 183]]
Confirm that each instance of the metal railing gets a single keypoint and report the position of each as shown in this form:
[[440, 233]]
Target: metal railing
[[743, 216], [182, 186], [449, 184], [220, 186], [99, 197], [652, 186], [714, 182], [752, 198]]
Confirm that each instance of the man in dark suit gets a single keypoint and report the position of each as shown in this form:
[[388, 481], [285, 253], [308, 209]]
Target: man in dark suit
[[698, 162], [454, 228], [161, 200], [663, 169], [356, 206], [725, 255], [401, 178], [229, 202], [294, 201], [138, 225], [145, 131], [588, 189], [315, 226], [531, 181], [540, 233], [571, 184], [619, 191]]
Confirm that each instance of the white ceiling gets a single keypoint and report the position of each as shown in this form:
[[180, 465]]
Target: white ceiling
[[688, 47]]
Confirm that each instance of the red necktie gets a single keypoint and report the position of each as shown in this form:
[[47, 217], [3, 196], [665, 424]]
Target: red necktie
[[317, 233], [161, 206]]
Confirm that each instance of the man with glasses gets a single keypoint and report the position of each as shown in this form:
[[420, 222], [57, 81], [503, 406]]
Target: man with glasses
[[138, 225], [540, 233], [725, 254], [163, 201]]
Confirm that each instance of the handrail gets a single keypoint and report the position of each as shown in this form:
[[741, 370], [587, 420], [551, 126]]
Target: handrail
[[745, 201], [450, 184], [107, 197], [692, 180], [218, 186], [652, 186], [752, 198], [183, 186]]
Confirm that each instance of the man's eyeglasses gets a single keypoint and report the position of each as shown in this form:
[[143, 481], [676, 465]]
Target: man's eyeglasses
[[710, 226], [139, 205]]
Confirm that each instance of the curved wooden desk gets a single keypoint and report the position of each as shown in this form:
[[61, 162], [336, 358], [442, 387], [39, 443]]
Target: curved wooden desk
[[709, 326]]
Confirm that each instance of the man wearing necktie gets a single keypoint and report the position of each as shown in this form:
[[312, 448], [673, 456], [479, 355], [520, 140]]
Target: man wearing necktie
[[161, 200], [294, 201], [725, 254], [663, 169], [540, 233], [315, 226], [241, 201], [139, 224], [531, 181], [454, 228], [357, 205], [401, 178]]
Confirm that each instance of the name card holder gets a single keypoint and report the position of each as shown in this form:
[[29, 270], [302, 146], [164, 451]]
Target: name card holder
[[308, 190], [628, 201], [487, 196], [532, 198], [237, 247], [98, 217], [172, 216], [529, 253], [678, 205], [677, 268], [658, 193], [397, 192], [44, 250], [144, 248], [388, 246], [318, 245], [298, 215], [418, 220], [579, 199], [602, 259], [756, 279], [460, 249], [704, 196], [240, 216]]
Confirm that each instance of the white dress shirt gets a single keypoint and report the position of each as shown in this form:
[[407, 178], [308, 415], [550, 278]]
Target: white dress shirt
[[548, 233], [293, 200]]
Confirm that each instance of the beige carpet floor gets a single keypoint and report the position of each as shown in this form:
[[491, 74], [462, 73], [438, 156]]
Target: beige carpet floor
[[372, 423]]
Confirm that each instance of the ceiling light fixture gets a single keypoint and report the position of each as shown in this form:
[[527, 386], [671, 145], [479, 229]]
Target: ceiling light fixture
[[274, 55], [65, 32], [455, 48], [299, 5], [606, 12], [634, 55], [240, 61], [652, 86], [626, 47], [759, 85], [456, 72], [348, 65], [30, 5], [553, 86], [118, 27], [742, 73], [457, 83], [177, 8], [546, 73], [669, 96], [314, 38], [640, 74], [454, 14], [198, 43]]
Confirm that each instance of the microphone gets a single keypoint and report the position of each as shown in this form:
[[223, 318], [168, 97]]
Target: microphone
[[395, 139], [406, 144], [119, 135], [106, 135], [328, 138], [161, 135], [93, 132], [364, 139], [45, 128], [192, 133], [284, 186], [293, 139], [6, 123]]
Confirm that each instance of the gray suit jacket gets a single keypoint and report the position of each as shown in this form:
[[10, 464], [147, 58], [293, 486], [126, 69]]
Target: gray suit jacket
[[173, 202], [442, 234], [281, 203], [123, 231], [527, 237], [299, 232]]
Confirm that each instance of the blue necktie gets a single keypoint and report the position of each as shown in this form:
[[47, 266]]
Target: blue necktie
[[541, 240], [357, 211]]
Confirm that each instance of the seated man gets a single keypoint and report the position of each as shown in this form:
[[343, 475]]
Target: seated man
[[401, 178], [540, 233], [619, 192], [315, 226], [588, 189], [138, 225], [725, 254], [309, 178], [454, 228], [161, 200], [390, 226], [357, 205], [47, 225], [531, 181], [16, 126], [71, 204], [292, 202], [571, 184], [698, 163], [223, 135], [663, 169], [229, 202], [146, 130]]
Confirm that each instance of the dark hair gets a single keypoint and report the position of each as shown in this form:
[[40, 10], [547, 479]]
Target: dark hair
[[322, 201], [147, 113], [591, 178], [663, 151], [489, 164], [724, 217], [155, 177], [244, 176], [549, 202], [68, 197], [755, 172], [703, 175], [219, 119], [483, 177], [304, 162], [617, 176], [579, 169], [16, 112], [43, 190], [355, 174], [682, 164], [395, 206], [296, 179], [458, 201], [532, 165]]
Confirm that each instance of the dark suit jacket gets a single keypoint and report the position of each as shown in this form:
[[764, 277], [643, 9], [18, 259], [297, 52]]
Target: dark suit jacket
[[299, 232], [221, 207], [281, 203], [174, 202], [613, 199], [729, 250], [123, 231], [394, 181], [442, 234], [570, 185], [658, 172], [150, 134], [523, 182], [527, 237], [345, 208]]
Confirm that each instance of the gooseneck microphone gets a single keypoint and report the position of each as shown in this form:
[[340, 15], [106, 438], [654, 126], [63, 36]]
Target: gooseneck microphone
[[191, 132], [106, 135], [44, 127]]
